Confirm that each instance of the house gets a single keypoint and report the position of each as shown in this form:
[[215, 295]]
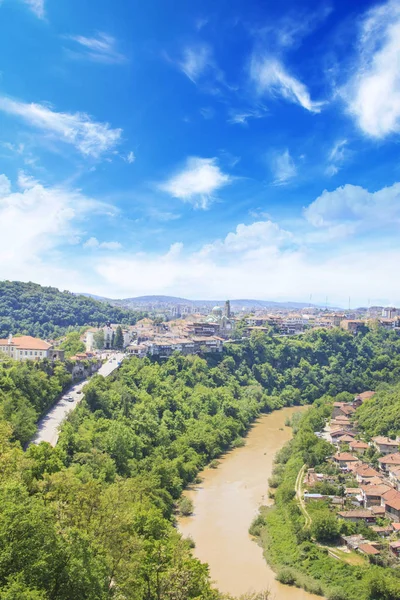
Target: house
[[364, 473], [394, 476], [394, 548], [391, 460], [391, 502], [139, 350], [342, 422], [358, 446], [382, 531], [335, 434], [396, 527], [352, 325], [203, 329], [385, 445], [357, 515], [378, 511], [342, 409], [368, 549], [372, 494], [342, 459], [26, 347], [344, 439], [353, 541], [358, 400]]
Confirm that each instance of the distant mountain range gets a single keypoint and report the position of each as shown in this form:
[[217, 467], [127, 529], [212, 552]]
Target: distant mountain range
[[163, 301]]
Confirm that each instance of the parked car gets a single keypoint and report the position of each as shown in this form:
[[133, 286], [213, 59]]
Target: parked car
[[69, 398]]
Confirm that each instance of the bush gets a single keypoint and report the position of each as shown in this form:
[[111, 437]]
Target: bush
[[238, 442], [257, 525], [287, 576], [185, 506], [214, 464]]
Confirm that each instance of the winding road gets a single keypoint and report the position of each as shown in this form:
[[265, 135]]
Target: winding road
[[48, 426]]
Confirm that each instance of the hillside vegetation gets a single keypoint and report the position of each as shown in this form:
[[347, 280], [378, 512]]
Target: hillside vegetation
[[381, 414], [93, 518], [31, 309]]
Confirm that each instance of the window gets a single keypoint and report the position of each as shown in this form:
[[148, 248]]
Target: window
[[26, 353], [35, 353]]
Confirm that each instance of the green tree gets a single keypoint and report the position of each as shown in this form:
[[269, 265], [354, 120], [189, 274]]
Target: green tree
[[325, 527], [119, 338], [99, 339]]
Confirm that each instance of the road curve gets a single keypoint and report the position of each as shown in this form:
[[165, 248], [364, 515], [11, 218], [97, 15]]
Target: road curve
[[48, 426]]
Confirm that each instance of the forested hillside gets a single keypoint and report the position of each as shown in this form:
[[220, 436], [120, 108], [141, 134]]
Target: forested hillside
[[93, 518], [31, 309], [381, 414]]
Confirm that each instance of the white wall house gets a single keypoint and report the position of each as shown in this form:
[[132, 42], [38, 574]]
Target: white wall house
[[26, 347]]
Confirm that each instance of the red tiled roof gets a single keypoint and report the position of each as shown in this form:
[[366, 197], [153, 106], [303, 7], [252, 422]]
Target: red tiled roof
[[375, 490], [378, 510], [368, 549], [26, 342], [390, 459], [380, 439], [393, 500], [358, 444], [345, 457], [365, 395]]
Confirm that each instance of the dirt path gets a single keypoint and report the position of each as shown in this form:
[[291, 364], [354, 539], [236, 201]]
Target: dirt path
[[300, 498]]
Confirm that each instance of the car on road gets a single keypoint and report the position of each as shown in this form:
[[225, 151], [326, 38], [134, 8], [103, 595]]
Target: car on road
[[69, 398]]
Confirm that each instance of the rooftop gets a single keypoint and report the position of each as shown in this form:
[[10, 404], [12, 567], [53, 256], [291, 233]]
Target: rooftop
[[26, 342]]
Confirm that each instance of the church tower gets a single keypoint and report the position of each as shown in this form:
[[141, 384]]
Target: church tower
[[227, 310]]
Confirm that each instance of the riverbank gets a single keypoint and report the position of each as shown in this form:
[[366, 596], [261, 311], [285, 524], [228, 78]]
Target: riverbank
[[227, 500], [288, 540]]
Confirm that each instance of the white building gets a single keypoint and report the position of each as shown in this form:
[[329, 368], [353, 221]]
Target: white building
[[27, 347]]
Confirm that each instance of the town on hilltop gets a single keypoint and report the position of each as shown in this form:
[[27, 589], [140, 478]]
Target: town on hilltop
[[176, 328]]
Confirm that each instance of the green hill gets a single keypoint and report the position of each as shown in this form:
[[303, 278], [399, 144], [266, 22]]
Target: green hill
[[31, 309]]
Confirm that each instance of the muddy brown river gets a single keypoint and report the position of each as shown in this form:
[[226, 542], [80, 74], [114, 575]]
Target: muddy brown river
[[225, 504]]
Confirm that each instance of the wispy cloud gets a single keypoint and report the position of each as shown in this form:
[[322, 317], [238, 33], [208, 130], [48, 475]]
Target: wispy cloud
[[130, 157], [37, 7], [373, 92], [94, 243], [241, 117], [101, 48], [283, 168], [336, 157], [207, 112], [90, 137], [290, 30], [271, 77], [197, 182], [195, 61]]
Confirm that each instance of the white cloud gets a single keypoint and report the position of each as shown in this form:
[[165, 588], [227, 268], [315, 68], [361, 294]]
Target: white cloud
[[283, 168], [249, 238], [195, 61], [241, 117], [37, 7], [35, 224], [270, 76], [130, 158], [373, 92], [25, 181], [197, 182], [94, 243], [255, 266], [356, 206], [91, 138], [102, 48], [336, 157], [207, 112], [5, 186]]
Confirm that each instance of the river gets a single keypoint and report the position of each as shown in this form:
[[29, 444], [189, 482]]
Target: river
[[225, 504]]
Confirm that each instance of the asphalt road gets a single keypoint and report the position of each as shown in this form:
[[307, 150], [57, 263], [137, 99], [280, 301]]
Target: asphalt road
[[48, 426]]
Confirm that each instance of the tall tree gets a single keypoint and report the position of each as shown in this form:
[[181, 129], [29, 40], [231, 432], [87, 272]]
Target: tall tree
[[119, 338], [99, 339]]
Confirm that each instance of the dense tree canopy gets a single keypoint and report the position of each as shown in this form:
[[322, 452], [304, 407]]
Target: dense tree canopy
[[31, 309], [93, 518]]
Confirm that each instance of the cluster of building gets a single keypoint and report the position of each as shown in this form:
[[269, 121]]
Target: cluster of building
[[373, 492], [152, 338]]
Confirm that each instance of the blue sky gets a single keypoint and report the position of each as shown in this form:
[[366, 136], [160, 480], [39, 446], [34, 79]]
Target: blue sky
[[202, 149]]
